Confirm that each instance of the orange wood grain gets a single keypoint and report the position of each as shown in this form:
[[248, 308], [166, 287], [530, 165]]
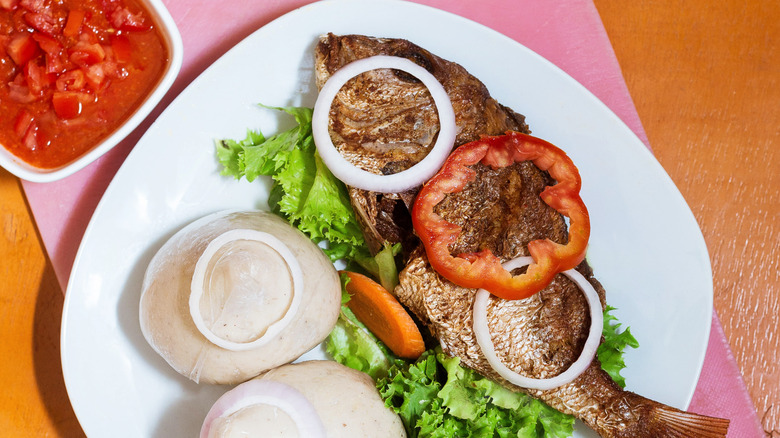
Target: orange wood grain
[[34, 402], [705, 78]]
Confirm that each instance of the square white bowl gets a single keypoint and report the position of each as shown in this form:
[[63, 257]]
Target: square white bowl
[[172, 38]]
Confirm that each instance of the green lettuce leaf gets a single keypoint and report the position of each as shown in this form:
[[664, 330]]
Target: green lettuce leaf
[[351, 344], [437, 397], [304, 191], [610, 352]]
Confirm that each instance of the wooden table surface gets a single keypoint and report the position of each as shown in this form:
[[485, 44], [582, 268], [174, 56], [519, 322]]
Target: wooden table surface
[[705, 78]]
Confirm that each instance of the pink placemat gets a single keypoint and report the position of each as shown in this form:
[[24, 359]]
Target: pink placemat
[[569, 33]]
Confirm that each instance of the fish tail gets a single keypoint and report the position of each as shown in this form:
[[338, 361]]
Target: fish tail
[[671, 422], [637, 417]]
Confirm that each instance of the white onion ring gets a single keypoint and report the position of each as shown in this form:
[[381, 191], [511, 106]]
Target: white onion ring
[[356, 177], [198, 277], [482, 333], [268, 392]]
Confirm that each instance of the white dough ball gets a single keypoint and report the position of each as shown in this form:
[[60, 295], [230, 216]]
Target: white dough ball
[[311, 399], [220, 303]]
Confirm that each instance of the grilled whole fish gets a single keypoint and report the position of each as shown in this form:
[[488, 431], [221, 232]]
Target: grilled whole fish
[[385, 121]]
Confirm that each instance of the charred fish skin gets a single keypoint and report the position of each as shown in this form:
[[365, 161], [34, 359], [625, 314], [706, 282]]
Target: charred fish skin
[[385, 121], [387, 118], [501, 210]]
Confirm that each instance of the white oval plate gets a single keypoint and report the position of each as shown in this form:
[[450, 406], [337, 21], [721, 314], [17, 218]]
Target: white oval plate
[[646, 247]]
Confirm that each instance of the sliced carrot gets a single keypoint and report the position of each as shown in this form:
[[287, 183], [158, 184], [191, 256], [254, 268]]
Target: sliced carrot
[[381, 312]]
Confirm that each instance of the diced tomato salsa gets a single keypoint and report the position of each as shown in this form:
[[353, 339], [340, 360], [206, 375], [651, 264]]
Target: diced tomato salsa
[[71, 71]]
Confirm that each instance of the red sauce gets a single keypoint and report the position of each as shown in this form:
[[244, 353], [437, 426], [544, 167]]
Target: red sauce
[[71, 72]]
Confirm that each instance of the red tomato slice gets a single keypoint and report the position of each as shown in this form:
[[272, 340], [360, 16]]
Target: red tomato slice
[[123, 49], [123, 19], [23, 121], [56, 62], [17, 20], [112, 70], [27, 130], [36, 77], [88, 35], [109, 6], [3, 41], [33, 5], [95, 75], [67, 104], [21, 48], [47, 44], [43, 22], [8, 4], [72, 80], [483, 269], [20, 93], [30, 138], [73, 24], [85, 54]]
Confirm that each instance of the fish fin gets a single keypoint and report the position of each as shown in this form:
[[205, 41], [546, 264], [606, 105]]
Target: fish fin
[[687, 424]]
